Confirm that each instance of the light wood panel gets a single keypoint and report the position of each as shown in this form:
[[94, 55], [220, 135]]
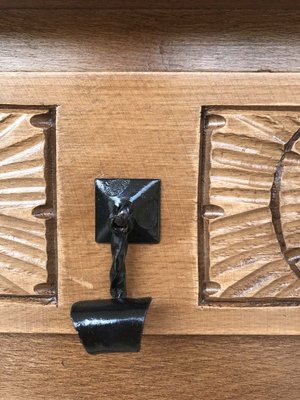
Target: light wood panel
[[23, 245], [150, 40], [139, 125], [250, 177], [44, 367]]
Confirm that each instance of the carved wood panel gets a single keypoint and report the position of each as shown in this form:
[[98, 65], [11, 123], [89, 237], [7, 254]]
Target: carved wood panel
[[26, 203], [250, 205], [148, 125]]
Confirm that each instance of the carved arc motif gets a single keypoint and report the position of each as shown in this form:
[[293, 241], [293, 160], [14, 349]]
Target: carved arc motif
[[250, 205], [23, 244]]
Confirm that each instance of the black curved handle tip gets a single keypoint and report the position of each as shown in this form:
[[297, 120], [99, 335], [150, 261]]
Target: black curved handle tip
[[108, 326]]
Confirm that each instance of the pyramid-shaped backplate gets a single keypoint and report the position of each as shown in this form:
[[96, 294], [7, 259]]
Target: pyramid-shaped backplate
[[144, 194]]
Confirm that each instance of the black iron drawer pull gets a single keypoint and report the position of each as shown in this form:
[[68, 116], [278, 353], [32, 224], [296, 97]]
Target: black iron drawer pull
[[127, 211]]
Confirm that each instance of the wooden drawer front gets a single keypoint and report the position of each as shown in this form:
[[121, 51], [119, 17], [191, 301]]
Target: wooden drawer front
[[227, 260]]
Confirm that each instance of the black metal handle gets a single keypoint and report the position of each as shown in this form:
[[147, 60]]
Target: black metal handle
[[121, 225], [124, 208]]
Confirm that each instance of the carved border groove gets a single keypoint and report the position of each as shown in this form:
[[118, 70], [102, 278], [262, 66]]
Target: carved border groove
[[249, 193], [28, 261]]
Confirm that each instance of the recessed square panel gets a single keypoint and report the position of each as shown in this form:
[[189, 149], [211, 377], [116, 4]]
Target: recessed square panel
[[27, 203], [250, 205], [144, 194]]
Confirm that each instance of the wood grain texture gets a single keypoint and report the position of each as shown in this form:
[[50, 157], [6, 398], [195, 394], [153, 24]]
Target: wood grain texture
[[139, 125], [23, 252], [44, 367], [149, 4], [251, 176], [149, 40]]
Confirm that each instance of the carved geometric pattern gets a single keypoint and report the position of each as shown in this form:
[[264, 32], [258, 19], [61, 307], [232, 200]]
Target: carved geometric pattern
[[23, 246], [250, 205]]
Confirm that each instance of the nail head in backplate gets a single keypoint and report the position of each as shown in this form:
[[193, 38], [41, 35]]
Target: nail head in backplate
[[144, 194]]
